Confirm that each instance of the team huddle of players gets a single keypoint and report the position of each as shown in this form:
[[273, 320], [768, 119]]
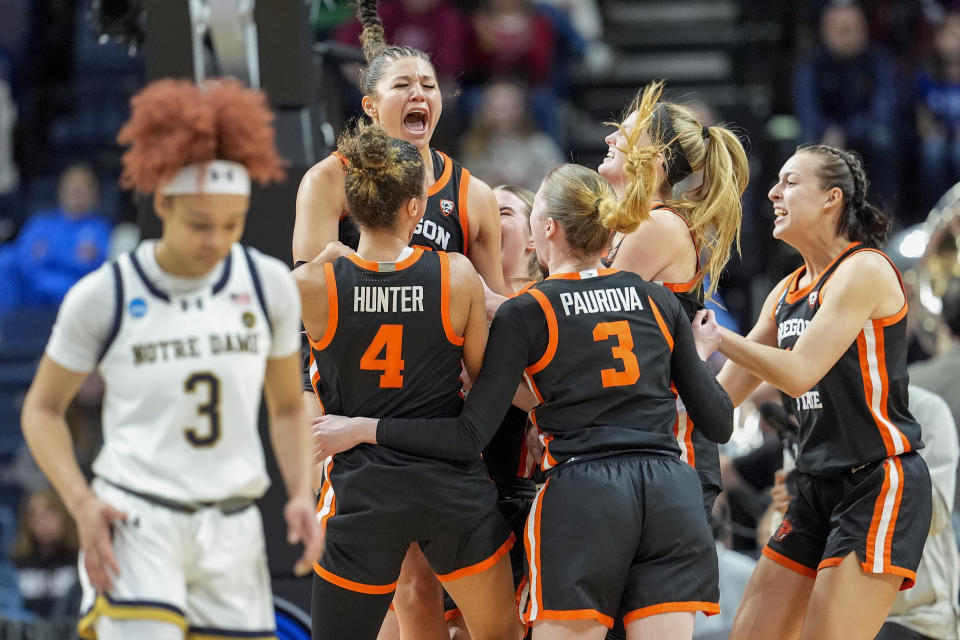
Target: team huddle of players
[[592, 368]]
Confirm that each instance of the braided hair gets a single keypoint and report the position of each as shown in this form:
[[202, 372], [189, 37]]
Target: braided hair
[[378, 54], [860, 220]]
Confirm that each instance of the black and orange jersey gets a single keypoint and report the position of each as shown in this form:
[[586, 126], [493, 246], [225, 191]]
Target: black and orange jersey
[[695, 449], [445, 225], [390, 349], [600, 349], [622, 332], [857, 413]]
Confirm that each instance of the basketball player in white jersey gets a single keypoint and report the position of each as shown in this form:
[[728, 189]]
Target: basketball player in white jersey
[[185, 331]]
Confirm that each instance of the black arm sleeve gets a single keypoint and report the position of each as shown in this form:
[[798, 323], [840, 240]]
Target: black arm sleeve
[[463, 438], [707, 404]]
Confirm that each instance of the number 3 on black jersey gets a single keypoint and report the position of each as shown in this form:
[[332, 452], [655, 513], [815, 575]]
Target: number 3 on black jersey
[[389, 341], [623, 351], [210, 409]]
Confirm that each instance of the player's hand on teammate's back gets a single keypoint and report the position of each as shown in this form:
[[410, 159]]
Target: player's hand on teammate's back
[[706, 332], [334, 434], [94, 521], [331, 252], [303, 528]]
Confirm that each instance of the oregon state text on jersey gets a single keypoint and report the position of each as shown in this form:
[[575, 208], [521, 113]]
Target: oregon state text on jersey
[[445, 225], [390, 349], [185, 374], [857, 413]]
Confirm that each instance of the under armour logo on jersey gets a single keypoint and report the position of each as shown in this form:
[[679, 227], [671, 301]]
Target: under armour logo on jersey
[[186, 304], [812, 299], [446, 206]]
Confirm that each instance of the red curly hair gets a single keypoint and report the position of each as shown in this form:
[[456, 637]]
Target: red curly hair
[[175, 123]]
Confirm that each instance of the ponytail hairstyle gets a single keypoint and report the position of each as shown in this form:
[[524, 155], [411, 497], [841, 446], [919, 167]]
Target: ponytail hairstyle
[[382, 174], [859, 221], [714, 210], [526, 197], [640, 163], [586, 206], [378, 54], [175, 123]]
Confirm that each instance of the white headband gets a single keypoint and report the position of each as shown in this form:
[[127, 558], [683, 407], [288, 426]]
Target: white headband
[[214, 177]]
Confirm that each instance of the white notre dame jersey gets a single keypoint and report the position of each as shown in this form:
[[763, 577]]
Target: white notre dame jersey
[[183, 369]]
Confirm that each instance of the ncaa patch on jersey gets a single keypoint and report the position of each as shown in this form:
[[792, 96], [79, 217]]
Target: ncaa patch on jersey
[[446, 206], [248, 319], [137, 307], [812, 298]]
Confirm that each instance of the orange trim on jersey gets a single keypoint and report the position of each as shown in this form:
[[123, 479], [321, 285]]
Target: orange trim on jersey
[[524, 289], [908, 576], [687, 443], [358, 587], [327, 502], [333, 310], [451, 614], [548, 462], [887, 429], [888, 546], [682, 287], [875, 520], [895, 318], [663, 325], [462, 210], [888, 320], [708, 608], [531, 544], [575, 275], [576, 614], [552, 333], [397, 266], [884, 524], [452, 336], [797, 294], [481, 566], [787, 563], [773, 311], [444, 177]]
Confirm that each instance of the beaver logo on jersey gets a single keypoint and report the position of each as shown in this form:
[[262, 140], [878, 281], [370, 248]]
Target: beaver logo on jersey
[[446, 206], [812, 298], [248, 319], [783, 530]]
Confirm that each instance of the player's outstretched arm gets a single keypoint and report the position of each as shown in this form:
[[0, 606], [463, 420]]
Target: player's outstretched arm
[[290, 437], [48, 438], [736, 380], [846, 306]]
